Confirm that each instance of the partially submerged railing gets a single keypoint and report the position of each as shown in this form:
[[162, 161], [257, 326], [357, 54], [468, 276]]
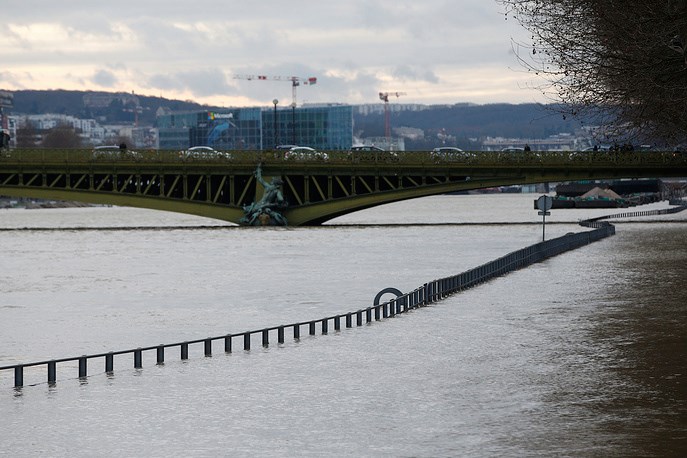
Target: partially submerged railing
[[422, 296]]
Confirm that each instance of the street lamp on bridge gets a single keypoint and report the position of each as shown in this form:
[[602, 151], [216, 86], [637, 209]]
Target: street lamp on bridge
[[275, 102]]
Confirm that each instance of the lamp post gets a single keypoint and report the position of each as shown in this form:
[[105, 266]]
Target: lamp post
[[293, 123], [275, 102]]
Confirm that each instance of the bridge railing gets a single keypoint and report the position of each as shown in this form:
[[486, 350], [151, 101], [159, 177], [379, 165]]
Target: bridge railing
[[469, 159]]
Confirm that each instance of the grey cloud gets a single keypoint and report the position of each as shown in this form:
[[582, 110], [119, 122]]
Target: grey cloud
[[202, 83], [171, 45], [410, 73], [12, 79], [104, 78]]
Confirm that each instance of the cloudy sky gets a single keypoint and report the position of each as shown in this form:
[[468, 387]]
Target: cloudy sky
[[435, 51]]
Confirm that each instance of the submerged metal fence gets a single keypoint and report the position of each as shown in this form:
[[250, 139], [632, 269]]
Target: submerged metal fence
[[424, 295]]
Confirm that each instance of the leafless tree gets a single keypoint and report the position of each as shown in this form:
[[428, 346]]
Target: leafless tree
[[61, 136], [623, 61]]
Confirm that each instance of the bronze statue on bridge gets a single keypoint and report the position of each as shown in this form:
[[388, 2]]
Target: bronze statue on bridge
[[265, 211]]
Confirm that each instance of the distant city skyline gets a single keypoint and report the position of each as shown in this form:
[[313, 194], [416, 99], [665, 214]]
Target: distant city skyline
[[435, 52]]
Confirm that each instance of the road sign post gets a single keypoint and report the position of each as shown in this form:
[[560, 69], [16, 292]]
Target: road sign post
[[544, 204]]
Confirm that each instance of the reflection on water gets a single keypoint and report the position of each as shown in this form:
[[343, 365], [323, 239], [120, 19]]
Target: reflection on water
[[581, 355]]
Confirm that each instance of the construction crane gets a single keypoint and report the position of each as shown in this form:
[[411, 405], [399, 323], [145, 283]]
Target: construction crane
[[295, 81], [384, 96]]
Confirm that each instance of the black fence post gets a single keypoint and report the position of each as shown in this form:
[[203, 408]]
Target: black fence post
[[82, 367], [52, 372], [297, 331], [246, 341], [337, 323], [359, 318], [368, 315], [208, 347], [227, 343], [311, 328], [138, 359], [349, 320], [160, 354], [325, 326], [280, 334], [18, 376], [184, 350], [109, 363], [265, 338]]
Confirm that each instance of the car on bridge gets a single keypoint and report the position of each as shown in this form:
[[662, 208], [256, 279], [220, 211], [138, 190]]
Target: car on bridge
[[450, 154], [305, 153], [113, 152], [203, 152]]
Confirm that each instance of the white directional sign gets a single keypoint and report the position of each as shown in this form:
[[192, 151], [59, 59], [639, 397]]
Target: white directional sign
[[544, 204]]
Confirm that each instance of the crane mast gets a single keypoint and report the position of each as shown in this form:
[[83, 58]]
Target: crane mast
[[384, 97]]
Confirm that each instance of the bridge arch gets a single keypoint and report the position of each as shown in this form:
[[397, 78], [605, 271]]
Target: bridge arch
[[317, 191]]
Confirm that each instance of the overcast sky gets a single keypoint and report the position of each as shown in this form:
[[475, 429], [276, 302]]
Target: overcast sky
[[435, 51]]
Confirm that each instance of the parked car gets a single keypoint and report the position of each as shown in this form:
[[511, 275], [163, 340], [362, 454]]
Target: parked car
[[305, 153], [114, 152], [450, 154], [203, 152]]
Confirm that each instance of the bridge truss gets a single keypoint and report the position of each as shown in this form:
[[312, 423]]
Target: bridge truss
[[316, 190]]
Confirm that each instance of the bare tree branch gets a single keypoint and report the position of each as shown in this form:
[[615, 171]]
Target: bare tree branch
[[624, 62]]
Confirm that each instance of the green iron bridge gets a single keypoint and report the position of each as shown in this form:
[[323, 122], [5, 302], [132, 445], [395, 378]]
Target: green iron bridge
[[316, 190]]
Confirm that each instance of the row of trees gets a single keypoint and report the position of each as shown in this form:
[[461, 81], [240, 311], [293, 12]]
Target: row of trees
[[621, 62]]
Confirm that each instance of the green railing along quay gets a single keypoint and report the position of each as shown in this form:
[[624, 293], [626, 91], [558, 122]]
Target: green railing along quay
[[314, 189]]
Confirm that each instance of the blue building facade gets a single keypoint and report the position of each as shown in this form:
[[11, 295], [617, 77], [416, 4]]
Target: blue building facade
[[238, 129], [321, 127]]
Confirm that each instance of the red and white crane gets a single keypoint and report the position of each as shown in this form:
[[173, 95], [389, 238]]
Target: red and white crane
[[384, 96], [295, 81]]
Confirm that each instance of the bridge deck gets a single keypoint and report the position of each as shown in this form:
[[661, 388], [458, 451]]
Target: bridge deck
[[316, 190]]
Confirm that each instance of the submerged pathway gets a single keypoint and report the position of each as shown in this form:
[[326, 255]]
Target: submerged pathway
[[423, 295]]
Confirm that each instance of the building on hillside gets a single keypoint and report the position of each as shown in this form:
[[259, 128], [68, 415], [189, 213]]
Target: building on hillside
[[387, 144], [90, 132], [559, 142], [105, 99]]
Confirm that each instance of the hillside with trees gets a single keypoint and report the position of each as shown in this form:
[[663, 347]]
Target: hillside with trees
[[121, 108], [463, 123]]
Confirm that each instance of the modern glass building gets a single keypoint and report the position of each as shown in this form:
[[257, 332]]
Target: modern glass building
[[321, 127], [238, 129]]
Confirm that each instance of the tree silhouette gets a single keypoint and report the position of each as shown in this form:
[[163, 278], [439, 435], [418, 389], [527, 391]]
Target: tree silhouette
[[622, 62], [62, 136]]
